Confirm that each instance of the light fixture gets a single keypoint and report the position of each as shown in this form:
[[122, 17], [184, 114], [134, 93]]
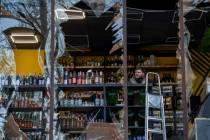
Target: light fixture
[[69, 14], [24, 38]]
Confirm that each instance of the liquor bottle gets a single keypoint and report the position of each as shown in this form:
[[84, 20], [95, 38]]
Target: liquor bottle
[[80, 100], [92, 77], [101, 78], [70, 78], [83, 78], [35, 79], [74, 78], [101, 100], [88, 78], [97, 100], [40, 79], [65, 80], [112, 77], [97, 78], [79, 78]]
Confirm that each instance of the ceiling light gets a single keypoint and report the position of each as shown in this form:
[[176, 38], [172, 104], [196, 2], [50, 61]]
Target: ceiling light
[[69, 14], [24, 38]]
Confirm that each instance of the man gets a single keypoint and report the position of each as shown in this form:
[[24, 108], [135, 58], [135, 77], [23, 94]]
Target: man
[[138, 77]]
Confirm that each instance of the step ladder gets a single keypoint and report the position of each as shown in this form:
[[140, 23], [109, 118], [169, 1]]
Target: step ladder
[[154, 102]]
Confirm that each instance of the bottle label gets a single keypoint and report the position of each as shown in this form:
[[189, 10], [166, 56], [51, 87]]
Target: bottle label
[[74, 81], [65, 82]]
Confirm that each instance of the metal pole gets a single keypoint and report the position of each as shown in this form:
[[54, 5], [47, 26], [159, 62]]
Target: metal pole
[[125, 72], [184, 96], [52, 88]]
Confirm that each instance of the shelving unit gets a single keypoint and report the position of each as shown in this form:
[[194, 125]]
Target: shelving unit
[[24, 106], [111, 89]]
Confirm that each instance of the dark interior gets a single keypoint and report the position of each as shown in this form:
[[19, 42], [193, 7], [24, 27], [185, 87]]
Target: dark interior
[[146, 27]]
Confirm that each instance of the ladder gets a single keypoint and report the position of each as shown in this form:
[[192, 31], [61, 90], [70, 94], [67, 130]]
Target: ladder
[[154, 101]]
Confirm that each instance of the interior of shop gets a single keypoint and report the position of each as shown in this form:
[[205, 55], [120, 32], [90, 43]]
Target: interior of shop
[[89, 73]]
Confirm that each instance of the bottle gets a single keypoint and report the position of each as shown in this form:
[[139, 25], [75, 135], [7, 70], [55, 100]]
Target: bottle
[[83, 78], [43, 80], [40, 79], [101, 100], [112, 77], [97, 78], [101, 78], [65, 80], [17, 80], [80, 100], [35, 79], [92, 78], [79, 78], [70, 78], [97, 100], [74, 78]]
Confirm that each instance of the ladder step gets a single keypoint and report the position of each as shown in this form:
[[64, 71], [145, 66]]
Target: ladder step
[[155, 118], [156, 131]]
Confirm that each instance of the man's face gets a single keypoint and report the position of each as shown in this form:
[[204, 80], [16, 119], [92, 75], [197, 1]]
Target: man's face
[[139, 74]]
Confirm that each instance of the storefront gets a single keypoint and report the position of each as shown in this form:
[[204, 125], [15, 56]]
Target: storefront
[[77, 69]]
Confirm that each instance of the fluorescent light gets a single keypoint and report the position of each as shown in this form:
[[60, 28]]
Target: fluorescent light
[[69, 14], [24, 38]]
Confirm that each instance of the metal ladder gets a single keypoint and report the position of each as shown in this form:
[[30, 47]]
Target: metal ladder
[[154, 101]]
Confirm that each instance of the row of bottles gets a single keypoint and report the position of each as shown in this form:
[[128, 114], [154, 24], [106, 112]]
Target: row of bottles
[[70, 120], [73, 77], [27, 100], [97, 61], [90, 61], [28, 119], [113, 61], [79, 99], [36, 136], [112, 77], [132, 60], [23, 80]]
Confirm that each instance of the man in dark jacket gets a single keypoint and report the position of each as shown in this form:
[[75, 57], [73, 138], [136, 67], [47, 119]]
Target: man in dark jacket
[[138, 77]]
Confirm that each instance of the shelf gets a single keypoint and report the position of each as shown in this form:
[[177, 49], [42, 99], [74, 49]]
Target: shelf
[[24, 87], [79, 108], [28, 109], [89, 67], [136, 106], [162, 67], [98, 86], [79, 87], [121, 106], [135, 127], [32, 129], [111, 85], [169, 84], [31, 88]]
